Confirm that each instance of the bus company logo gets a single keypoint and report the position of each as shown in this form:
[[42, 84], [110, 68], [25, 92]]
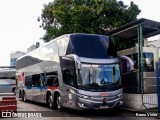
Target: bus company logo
[[6, 114], [102, 67], [21, 115], [104, 94], [104, 100]]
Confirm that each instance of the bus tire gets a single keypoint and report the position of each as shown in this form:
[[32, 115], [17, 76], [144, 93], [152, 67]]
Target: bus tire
[[59, 103], [50, 101]]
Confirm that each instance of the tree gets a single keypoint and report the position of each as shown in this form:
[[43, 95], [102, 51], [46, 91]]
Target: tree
[[85, 16]]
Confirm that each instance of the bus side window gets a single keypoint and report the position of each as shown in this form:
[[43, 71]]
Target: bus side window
[[56, 82], [52, 79], [65, 76], [49, 81], [68, 77], [42, 80], [28, 81], [36, 80]]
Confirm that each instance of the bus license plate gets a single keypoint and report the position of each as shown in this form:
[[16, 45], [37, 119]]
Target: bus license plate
[[103, 107]]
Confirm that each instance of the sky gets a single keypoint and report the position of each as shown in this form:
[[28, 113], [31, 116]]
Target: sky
[[19, 27]]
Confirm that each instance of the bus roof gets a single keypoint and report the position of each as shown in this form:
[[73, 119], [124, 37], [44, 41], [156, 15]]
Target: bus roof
[[59, 38]]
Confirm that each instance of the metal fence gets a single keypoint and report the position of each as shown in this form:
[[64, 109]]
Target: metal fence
[[149, 89], [149, 96]]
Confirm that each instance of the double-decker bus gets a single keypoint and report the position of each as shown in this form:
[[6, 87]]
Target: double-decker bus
[[7, 80], [78, 71]]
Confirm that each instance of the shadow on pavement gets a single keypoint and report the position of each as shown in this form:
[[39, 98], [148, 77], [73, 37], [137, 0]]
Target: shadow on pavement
[[84, 113]]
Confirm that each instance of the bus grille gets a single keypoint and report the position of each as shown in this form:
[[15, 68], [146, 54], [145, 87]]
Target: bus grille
[[109, 98]]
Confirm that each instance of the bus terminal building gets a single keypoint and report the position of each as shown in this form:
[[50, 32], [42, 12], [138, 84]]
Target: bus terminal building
[[140, 89]]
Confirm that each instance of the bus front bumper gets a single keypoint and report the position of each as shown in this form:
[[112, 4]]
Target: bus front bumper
[[90, 104]]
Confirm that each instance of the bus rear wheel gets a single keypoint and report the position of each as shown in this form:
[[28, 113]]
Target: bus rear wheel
[[59, 103], [50, 101], [52, 105]]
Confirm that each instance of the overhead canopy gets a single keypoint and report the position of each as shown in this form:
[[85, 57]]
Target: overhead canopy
[[129, 31], [137, 30]]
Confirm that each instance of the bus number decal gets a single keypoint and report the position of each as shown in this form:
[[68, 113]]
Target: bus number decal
[[103, 94]]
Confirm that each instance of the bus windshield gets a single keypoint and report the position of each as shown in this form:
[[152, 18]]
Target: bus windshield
[[92, 46], [99, 75]]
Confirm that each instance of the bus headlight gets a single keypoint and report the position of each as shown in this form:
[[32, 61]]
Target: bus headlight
[[79, 95], [85, 97], [82, 96], [120, 95]]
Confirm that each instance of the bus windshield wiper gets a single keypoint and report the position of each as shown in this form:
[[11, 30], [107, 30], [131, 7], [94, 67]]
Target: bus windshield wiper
[[93, 85], [105, 82]]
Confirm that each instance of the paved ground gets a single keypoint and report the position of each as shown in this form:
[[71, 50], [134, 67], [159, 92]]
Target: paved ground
[[30, 109]]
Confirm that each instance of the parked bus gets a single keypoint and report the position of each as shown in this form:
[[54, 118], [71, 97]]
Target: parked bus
[[78, 71], [7, 80]]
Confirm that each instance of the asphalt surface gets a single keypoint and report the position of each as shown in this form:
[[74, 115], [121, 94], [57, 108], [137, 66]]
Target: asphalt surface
[[36, 111]]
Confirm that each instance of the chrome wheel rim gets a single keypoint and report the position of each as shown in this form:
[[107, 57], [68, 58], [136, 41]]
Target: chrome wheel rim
[[50, 101], [59, 102]]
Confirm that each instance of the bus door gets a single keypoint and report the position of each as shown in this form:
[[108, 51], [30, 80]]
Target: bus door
[[69, 80]]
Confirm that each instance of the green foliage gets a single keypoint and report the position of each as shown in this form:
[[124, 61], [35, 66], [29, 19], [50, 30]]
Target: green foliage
[[85, 16]]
